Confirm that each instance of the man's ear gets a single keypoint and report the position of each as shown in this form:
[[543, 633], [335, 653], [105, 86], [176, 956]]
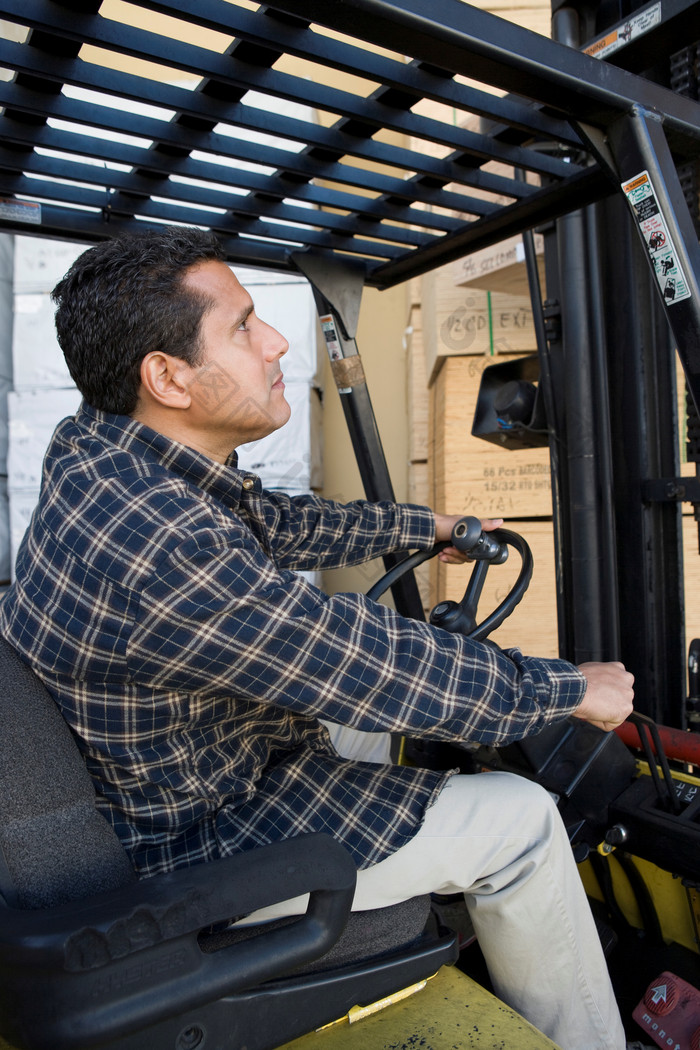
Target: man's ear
[[165, 380]]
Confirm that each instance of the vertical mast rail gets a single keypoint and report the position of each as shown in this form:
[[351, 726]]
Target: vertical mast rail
[[337, 288], [637, 154]]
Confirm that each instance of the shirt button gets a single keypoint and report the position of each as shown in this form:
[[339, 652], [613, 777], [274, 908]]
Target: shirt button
[[248, 484]]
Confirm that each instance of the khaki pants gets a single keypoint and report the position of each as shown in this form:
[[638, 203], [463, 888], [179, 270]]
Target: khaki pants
[[499, 839]]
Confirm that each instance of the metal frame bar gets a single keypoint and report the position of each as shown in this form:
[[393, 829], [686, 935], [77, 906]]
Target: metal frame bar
[[337, 292], [398, 209], [636, 146], [466, 40]]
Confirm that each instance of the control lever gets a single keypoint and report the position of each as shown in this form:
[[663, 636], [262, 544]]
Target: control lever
[[648, 734]]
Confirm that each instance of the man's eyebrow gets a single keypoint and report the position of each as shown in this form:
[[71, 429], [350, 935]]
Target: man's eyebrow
[[244, 315]]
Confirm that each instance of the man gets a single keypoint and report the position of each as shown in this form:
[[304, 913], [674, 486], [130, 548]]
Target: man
[[156, 598]]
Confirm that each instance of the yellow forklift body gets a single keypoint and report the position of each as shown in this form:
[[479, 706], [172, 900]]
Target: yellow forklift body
[[451, 1011], [675, 900]]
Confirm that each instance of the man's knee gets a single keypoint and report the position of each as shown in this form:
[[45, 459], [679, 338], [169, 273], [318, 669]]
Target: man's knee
[[530, 800], [520, 787]]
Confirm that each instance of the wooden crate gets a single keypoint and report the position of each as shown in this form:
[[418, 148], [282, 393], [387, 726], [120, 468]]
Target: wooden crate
[[691, 572], [533, 624], [452, 396], [500, 268], [468, 475], [458, 321]]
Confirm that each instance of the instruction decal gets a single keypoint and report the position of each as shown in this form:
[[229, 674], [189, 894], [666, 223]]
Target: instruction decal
[[333, 344], [669, 273], [13, 210], [330, 335], [635, 26]]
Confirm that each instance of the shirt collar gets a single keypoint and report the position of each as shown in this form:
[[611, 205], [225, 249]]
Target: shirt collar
[[222, 480]]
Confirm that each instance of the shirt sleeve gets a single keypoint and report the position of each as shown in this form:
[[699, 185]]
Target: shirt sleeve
[[308, 532], [217, 621]]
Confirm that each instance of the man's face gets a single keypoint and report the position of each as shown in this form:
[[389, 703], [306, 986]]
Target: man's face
[[237, 390]]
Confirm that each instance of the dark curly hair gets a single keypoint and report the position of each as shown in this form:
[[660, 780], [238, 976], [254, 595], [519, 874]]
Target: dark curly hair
[[123, 299]]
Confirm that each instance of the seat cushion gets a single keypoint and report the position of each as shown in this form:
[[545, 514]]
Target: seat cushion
[[367, 935]]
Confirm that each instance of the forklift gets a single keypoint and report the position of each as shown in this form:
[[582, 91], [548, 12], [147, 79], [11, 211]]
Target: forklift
[[594, 136]]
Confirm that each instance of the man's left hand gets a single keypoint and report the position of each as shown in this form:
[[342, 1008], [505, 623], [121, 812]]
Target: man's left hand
[[444, 524]]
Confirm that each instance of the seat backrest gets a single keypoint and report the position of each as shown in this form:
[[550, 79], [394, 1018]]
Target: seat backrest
[[56, 847], [54, 844]]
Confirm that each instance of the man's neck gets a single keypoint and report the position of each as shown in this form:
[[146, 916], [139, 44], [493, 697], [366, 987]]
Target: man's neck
[[171, 425]]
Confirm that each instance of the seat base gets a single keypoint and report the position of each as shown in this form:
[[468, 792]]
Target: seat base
[[270, 1014]]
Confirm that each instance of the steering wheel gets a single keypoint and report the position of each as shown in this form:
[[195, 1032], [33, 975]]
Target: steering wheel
[[485, 549]]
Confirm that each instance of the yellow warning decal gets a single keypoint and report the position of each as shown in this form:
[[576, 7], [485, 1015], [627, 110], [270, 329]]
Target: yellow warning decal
[[653, 227]]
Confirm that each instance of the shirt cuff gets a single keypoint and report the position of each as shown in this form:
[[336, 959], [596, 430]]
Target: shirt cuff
[[559, 685], [416, 527]]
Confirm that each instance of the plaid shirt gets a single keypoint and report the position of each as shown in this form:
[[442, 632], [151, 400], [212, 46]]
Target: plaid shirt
[[156, 598]]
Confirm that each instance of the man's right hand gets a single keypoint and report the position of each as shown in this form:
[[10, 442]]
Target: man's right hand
[[607, 701]]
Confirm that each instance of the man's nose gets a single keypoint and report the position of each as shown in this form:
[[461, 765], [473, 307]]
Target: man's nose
[[276, 344]]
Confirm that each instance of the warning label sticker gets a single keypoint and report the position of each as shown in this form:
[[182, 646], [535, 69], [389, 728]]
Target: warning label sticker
[[669, 274], [19, 211], [333, 346], [635, 26]]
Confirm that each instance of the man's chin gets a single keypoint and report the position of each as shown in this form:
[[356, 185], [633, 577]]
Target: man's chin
[[285, 414], [268, 425]]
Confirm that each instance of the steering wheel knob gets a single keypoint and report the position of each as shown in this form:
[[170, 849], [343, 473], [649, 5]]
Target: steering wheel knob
[[481, 546], [466, 534]]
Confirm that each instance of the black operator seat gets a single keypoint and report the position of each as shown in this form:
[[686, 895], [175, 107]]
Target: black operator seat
[[91, 955]]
